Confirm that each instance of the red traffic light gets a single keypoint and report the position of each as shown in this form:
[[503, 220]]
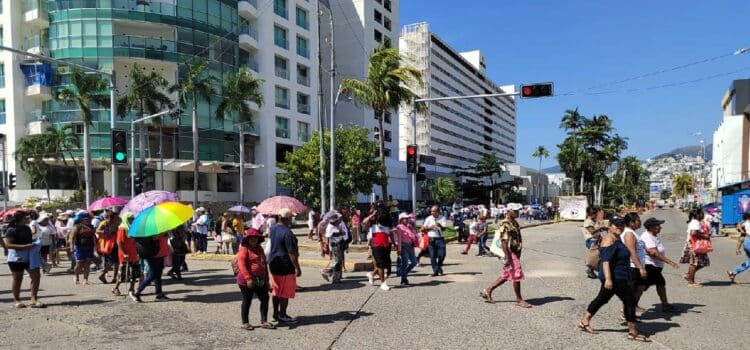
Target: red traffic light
[[536, 90], [527, 90], [411, 150]]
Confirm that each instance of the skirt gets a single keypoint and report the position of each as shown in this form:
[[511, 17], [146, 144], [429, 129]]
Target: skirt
[[284, 286], [697, 260]]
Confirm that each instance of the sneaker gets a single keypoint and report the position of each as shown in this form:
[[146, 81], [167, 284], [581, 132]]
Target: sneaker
[[464, 253], [136, 298], [162, 297], [325, 276], [404, 282], [371, 278], [384, 286], [287, 319], [440, 271]]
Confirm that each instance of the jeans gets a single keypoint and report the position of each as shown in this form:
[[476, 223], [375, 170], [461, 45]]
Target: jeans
[[745, 265], [201, 242], [177, 262], [337, 258], [437, 254], [408, 260], [155, 270], [623, 290], [247, 299], [483, 248]]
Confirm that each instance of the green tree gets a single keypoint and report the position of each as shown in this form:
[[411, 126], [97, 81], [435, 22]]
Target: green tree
[[385, 89], [572, 161], [665, 194], [540, 152], [682, 185], [30, 154], [237, 90], [358, 169], [86, 91], [194, 85], [629, 182], [62, 141], [443, 190], [491, 167]]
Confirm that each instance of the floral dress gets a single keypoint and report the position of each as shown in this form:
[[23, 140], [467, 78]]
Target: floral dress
[[691, 258]]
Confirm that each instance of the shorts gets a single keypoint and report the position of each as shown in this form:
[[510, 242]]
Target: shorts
[[18, 266], [62, 243], [635, 278], [382, 257], [129, 272], [655, 277], [513, 272], [113, 258], [284, 286], [84, 253], [44, 250]]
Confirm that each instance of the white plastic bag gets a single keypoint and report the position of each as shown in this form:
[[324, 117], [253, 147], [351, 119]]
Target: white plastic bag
[[497, 245]]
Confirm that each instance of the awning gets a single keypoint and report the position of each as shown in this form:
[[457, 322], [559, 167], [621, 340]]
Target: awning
[[176, 165]]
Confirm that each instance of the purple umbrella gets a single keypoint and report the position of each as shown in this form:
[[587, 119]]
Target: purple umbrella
[[146, 200], [239, 209]]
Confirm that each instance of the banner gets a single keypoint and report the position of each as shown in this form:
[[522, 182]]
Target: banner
[[744, 203], [573, 207]]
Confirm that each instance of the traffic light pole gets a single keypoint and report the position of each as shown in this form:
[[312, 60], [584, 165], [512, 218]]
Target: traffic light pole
[[113, 126], [132, 146]]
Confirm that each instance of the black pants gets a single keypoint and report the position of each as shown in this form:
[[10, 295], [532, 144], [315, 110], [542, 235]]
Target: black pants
[[623, 290], [177, 263], [247, 298]]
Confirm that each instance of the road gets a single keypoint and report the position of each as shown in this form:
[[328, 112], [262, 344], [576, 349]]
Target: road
[[433, 313]]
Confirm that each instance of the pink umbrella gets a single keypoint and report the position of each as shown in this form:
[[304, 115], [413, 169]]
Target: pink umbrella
[[271, 206], [107, 202], [146, 200]]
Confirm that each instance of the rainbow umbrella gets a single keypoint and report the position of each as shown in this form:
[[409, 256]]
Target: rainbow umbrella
[[160, 218]]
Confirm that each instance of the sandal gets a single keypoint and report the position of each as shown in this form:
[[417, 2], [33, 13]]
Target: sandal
[[37, 305], [247, 327], [586, 328], [116, 292], [695, 285], [731, 277], [267, 325], [639, 337], [486, 296], [19, 305]]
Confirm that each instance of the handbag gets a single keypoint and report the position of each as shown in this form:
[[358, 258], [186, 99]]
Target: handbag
[[593, 257], [497, 245], [702, 246]]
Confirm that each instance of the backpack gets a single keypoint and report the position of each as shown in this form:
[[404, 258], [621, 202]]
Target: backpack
[[234, 263], [147, 248]]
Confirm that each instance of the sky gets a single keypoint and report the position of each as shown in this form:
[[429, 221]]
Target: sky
[[586, 47]]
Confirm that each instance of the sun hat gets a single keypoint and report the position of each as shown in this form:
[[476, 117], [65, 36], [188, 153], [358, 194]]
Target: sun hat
[[617, 221], [514, 206], [251, 232], [332, 215], [42, 216], [80, 216], [286, 213], [403, 216]]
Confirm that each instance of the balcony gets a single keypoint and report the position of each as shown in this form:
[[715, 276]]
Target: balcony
[[36, 45], [282, 73], [249, 39], [303, 108], [36, 127], [35, 13], [252, 63], [39, 92], [303, 80], [248, 9]]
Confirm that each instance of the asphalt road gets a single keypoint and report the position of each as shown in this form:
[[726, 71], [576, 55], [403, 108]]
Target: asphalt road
[[433, 313]]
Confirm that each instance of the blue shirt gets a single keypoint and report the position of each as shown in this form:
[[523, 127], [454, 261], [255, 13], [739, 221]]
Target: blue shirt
[[618, 256], [283, 242]]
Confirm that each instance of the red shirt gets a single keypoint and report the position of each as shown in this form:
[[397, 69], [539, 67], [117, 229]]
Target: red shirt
[[381, 236], [163, 246], [126, 246], [252, 263]]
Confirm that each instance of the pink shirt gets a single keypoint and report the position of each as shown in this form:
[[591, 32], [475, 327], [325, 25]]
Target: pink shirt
[[407, 235]]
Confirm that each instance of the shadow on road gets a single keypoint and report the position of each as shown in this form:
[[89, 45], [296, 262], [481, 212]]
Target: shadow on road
[[716, 284], [214, 298], [679, 309], [23, 294], [80, 302], [547, 300], [429, 283], [346, 284], [324, 319], [207, 280]]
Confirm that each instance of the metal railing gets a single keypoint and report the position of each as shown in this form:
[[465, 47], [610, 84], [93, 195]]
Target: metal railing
[[249, 30], [253, 64], [282, 72], [138, 42], [303, 108], [303, 80]]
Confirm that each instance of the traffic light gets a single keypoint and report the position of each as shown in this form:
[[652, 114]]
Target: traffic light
[[421, 174], [536, 90], [175, 113], [139, 178], [411, 159], [119, 147], [11, 181]]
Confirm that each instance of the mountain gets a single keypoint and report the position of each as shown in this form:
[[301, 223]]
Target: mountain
[[552, 170], [692, 151]]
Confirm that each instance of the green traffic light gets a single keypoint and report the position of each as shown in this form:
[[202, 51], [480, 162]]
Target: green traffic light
[[119, 156]]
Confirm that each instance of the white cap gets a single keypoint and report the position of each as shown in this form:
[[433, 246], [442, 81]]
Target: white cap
[[514, 206], [403, 216], [200, 209], [42, 216]]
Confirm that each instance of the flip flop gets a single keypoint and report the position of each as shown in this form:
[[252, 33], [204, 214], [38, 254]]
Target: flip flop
[[487, 298], [639, 337], [731, 277], [586, 328], [19, 305], [37, 305], [695, 285], [524, 305], [267, 325]]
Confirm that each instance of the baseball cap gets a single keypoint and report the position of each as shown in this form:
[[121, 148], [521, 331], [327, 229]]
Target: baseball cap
[[652, 222], [403, 216], [514, 206]]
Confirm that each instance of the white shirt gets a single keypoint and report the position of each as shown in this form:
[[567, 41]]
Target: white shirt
[[746, 225], [694, 225], [640, 249], [201, 226], [650, 241], [46, 233], [334, 229], [435, 231]]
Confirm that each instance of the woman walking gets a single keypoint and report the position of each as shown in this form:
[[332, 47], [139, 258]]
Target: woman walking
[[382, 238], [592, 234], [107, 247], [130, 269], [654, 261], [155, 267], [18, 241], [178, 242], [697, 234], [82, 238], [406, 241], [48, 237], [614, 274], [742, 243], [252, 277]]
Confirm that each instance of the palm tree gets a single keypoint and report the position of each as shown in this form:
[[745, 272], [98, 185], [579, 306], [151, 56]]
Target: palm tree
[[144, 95], [572, 121], [237, 91], [85, 91], [30, 153], [490, 166], [540, 152], [443, 190], [683, 185], [61, 141], [195, 84], [385, 89]]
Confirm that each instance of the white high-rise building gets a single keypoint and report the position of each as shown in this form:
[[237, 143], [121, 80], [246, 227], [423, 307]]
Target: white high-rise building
[[456, 132]]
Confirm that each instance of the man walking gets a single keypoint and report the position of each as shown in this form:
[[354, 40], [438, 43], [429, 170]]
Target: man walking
[[434, 226], [284, 266], [510, 233], [336, 235]]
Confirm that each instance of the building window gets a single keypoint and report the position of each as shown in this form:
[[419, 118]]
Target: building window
[[378, 16], [280, 37], [279, 8], [303, 47], [302, 19], [387, 117], [2, 75], [387, 23], [281, 151], [303, 132], [303, 103], [225, 183], [303, 75], [387, 5], [1, 6], [387, 136], [387, 152], [387, 41], [282, 97], [281, 67], [378, 36], [282, 127], [2, 111], [185, 181]]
